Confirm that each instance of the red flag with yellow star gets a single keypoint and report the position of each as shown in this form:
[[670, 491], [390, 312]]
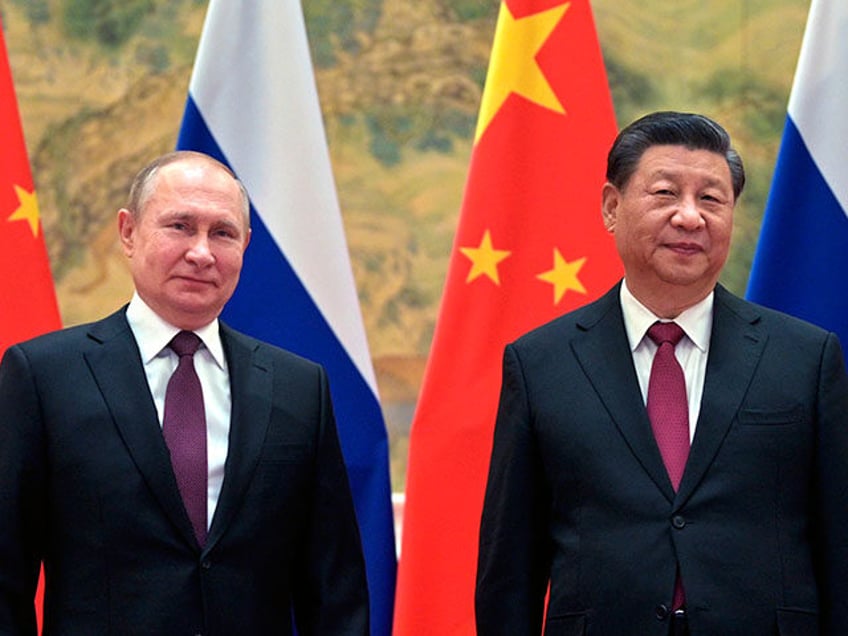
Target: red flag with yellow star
[[27, 297], [530, 246]]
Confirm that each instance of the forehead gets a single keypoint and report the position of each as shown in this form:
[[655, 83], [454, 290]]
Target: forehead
[[675, 162], [195, 187], [195, 174]]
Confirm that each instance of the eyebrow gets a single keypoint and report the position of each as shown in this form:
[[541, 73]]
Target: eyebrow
[[182, 215], [177, 214], [665, 173]]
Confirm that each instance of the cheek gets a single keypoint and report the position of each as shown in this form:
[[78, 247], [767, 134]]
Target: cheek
[[163, 263], [160, 252], [640, 238], [229, 262], [721, 234], [623, 237]]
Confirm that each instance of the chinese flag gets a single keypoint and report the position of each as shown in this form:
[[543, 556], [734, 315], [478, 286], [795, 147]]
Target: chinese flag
[[530, 246], [27, 298]]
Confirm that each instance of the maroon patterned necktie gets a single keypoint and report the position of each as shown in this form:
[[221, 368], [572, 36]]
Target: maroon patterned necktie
[[184, 428], [668, 410]]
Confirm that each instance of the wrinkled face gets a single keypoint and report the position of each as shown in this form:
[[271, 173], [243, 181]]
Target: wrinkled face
[[672, 222], [185, 246]]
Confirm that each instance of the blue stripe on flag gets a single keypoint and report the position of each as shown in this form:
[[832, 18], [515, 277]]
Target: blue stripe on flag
[[269, 287], [801, 263]]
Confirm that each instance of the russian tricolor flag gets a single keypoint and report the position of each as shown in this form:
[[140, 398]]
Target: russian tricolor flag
[[253, 104], [801, 263]]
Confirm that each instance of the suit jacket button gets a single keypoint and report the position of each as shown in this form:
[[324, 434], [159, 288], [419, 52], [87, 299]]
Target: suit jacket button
[[661, 612], [678, 522], [206, 564]]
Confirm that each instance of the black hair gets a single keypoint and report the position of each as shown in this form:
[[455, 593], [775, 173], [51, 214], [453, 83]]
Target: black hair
[[670, 128]]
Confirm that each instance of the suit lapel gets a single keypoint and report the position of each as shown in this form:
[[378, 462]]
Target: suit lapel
[[736, 345], [603, 352], [251, 375], [118, 370]]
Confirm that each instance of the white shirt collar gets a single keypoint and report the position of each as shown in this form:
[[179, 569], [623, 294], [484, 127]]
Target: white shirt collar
[[696, 321], [153, 334]]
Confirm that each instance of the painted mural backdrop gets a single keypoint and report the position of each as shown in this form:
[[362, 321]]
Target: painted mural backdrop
[[102, 84]]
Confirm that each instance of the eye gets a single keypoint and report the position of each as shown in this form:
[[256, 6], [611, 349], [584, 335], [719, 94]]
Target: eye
[[225, 233]]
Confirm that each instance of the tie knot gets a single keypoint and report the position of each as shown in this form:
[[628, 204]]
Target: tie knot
[[661, 332], [185, 343]]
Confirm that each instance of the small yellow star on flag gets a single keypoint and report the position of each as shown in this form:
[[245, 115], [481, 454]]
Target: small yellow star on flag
[[564, 276], [484, 259], [513, 67], [27, 210]]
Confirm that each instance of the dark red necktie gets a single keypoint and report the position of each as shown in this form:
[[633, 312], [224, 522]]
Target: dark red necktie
[[668, 410], [184, 428]]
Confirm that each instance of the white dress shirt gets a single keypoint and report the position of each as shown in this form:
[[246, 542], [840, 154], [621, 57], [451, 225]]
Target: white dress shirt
[[691, 352], [152, 334]]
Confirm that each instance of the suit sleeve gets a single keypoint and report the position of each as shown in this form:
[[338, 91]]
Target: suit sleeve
[[515, 548], [832, 489], [334, 601], [22, 495]]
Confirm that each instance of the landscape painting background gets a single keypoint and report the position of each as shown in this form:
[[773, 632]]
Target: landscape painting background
[[101, 87]]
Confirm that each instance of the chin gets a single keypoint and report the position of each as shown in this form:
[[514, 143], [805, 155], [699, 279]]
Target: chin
[[197, 313], [684, 273]]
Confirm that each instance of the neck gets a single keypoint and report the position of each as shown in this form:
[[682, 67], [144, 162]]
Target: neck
[[668, 304]]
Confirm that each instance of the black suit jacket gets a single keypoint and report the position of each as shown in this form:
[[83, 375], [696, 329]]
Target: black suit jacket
[[86, 485], [578, 494]]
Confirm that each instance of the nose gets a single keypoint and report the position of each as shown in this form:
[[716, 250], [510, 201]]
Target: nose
[[688, 215], [199, 251]]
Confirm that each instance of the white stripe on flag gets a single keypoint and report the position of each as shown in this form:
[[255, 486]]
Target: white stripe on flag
[[265, 113], [820, 92]]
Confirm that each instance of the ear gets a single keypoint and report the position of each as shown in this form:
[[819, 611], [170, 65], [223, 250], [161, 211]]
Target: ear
[[126, 231], [610, 200]]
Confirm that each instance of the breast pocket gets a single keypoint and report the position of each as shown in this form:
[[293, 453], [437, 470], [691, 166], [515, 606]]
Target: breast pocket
[[285, 453], [768, 449], [284, 476], [783, 416]]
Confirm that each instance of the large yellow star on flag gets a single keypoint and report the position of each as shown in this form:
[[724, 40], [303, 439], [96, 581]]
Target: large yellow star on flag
[[513, 67], [564, 276], [484, 259], [27, 210]]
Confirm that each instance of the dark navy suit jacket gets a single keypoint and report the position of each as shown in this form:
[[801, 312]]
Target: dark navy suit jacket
[[578, 495], [86, 485]]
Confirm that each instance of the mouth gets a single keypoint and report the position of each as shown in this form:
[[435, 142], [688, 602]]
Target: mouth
[[195, 282], [685, 248]]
